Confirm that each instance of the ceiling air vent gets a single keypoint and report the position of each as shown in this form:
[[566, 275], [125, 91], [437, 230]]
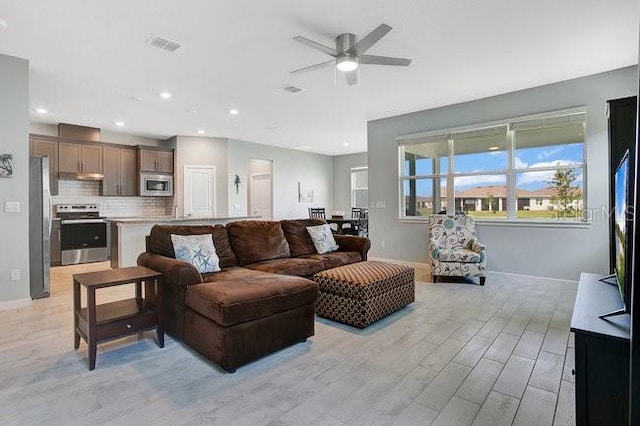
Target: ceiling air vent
[[292, 89], [164, 43]]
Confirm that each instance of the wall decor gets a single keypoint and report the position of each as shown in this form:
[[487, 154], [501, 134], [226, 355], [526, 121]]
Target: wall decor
[[6, 165], [305, 195], [237, 182]]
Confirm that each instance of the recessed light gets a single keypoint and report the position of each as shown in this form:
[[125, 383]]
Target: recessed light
[[494, 148], [135, 98], [201, 132], [119, 123], [191, 111], [42, 111], [166, 95], [345, 143], [234, 111]]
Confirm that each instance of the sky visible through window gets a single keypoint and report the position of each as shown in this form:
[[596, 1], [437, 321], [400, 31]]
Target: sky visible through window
[[491, 162]]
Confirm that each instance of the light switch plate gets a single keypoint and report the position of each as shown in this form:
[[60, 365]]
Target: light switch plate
[[12, 206], [15, 275]]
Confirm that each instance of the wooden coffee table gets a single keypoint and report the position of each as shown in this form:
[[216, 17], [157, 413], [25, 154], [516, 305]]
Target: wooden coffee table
[[107, 321]]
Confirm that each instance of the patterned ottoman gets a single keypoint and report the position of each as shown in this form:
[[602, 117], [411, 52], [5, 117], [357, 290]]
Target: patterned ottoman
[[362, 293]]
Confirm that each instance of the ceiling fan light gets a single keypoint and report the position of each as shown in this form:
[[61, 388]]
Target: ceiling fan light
[[347, 63]]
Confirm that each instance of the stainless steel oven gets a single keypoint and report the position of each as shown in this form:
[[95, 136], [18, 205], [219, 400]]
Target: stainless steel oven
[[83, 234], [153, 185]]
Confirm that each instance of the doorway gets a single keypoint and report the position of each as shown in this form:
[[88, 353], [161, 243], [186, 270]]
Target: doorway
[[261, 188], [199, 191]]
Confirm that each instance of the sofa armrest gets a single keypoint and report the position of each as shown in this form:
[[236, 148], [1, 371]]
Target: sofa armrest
[[174, 272], [353, 243]]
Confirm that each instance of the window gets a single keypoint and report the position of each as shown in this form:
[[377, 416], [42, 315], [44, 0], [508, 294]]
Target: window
[[359, 187], [530, 168], [424, 170]]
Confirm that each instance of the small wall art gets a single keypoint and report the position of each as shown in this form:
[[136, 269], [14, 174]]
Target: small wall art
[[305, 195], [6, 165]]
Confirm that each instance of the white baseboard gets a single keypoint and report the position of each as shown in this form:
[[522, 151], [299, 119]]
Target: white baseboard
[[13, 304], [424, 265], [560, 280]]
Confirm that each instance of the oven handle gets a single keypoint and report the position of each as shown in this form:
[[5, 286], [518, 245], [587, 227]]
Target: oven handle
[[72, 221]]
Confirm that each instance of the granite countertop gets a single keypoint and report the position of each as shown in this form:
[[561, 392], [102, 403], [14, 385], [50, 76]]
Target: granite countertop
[[169, 219]]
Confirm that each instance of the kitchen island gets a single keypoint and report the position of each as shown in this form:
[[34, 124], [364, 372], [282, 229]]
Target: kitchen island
[[128, 233]]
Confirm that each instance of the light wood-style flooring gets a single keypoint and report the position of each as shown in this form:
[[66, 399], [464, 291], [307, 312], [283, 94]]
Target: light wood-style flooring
[[461, 354]]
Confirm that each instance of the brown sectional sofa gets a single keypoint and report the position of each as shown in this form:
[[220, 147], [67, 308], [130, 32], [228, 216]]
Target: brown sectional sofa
[[261, 301]]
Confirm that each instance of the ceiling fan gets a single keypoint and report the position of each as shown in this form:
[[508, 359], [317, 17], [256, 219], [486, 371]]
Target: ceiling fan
[[349, 53]]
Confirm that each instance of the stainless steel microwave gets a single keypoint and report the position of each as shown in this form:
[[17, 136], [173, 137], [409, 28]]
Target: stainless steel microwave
[[154, 185]]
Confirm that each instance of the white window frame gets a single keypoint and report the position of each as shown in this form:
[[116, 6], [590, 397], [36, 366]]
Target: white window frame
[[511, 172], [358, 169]]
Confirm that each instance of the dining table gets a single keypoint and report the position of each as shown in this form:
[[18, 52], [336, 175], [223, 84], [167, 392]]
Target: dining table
[[340, 221]]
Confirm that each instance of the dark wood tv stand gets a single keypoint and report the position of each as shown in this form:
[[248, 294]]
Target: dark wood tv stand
[[602, 354]]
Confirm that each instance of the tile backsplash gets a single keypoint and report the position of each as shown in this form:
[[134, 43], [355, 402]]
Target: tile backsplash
[[88, 192]]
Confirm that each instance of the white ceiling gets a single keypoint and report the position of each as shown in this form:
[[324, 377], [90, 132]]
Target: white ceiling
[[89, 58]]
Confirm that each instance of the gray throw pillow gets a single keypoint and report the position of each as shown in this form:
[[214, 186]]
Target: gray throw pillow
[[197, 250], [322, 238]]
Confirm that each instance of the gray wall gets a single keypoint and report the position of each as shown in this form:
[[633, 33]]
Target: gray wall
[[314, 171], [558, 252], [342, 165], [199, 151], [14, 139]]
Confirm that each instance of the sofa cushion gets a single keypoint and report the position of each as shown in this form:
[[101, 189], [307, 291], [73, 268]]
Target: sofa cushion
[[295, 231], [257, 240], [336, 258], [289, 266], [160, 240], [249, 297], [197, 250], [458, 255]]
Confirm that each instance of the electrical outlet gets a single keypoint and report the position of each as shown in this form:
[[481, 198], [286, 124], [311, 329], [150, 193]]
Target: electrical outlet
[[15, 275], [382, 244], [12, 206]]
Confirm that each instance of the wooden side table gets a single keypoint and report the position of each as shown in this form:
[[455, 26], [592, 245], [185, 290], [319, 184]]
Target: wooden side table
[[99, 323]]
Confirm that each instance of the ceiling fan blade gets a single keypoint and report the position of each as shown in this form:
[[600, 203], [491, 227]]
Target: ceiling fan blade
[[313, 67], [315, 45], [352, 77], [383, 60], [369, 40]]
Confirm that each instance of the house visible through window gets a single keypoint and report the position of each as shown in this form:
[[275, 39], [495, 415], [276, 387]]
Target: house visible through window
[[518, 169], [359, 187]]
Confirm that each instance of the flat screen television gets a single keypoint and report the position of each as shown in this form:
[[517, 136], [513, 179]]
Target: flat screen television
[[622, 235]]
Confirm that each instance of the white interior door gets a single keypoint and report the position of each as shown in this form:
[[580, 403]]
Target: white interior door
[[199, 191], [260, 196]]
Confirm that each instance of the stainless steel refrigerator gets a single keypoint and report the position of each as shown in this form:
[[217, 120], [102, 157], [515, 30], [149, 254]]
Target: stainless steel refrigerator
[[39, 226]]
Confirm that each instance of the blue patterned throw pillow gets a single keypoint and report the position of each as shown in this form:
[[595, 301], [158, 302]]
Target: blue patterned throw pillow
[[322, 238], [197, 250]]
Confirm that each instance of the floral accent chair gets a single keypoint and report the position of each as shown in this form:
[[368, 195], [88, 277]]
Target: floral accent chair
[[454, 249]]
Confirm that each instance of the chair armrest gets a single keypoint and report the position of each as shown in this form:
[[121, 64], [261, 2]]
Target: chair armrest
[[353, 243], [474, 245], [174, 272], [433, 250]]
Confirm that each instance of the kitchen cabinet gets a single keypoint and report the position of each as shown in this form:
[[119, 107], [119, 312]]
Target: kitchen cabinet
[[119, 166], [56, 251], [47, 147], [79, 158], [155, 160]]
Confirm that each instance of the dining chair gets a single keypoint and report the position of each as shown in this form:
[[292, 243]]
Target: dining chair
[[317, 213], [358, 227]]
